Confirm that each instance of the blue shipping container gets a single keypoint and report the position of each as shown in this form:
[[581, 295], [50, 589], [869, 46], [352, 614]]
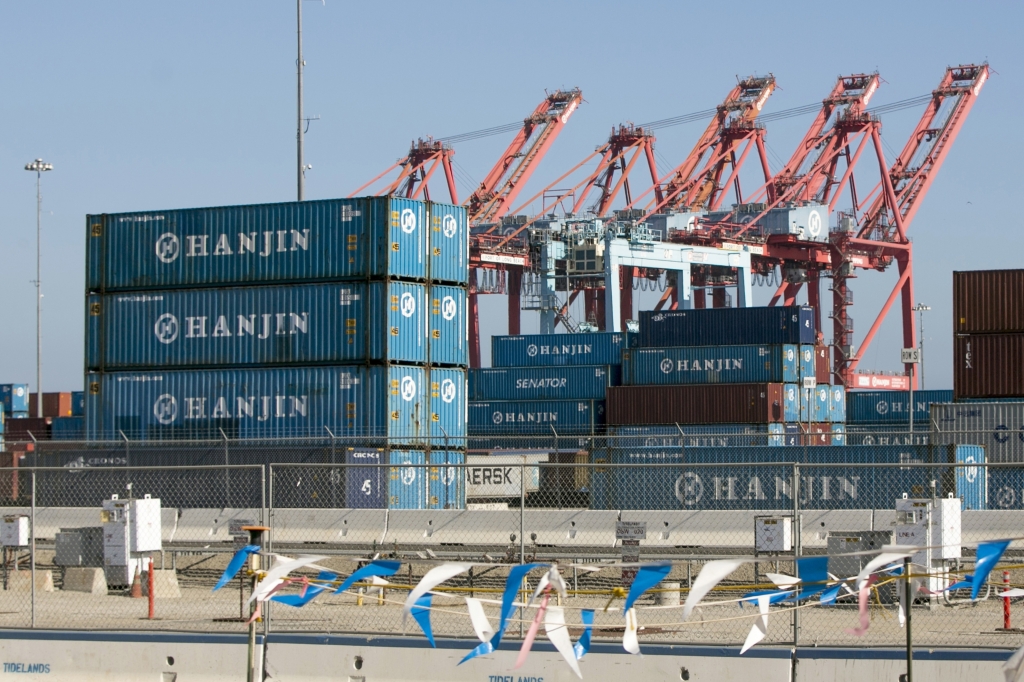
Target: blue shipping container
[[820, 407], [739, 484], [449, 244], [407, 474], [542, 383], [722, 326], [353, 400], [448, 325], [838, 434], [793, 403], [77, 403], [711, 365], [535, 416], [891, 407], [710, 435], [286, 242], [365, 483], [446, 486], [296, 324], [67, 428], [545, 350], [14, 398], [807, 369], [837, 404], [447, 402]]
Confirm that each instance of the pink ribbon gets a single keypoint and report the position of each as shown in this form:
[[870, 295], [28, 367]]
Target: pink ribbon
[[862, 602], [531, 634]]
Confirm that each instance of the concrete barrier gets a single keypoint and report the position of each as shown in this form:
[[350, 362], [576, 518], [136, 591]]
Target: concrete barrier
[[21, 581], [88, 580], [165, 585], [210, 525], [362, 526]]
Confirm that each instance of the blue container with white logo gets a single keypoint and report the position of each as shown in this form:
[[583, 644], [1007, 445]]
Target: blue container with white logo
[[712, 365], [448, 325], [710, 435], [838, 434], [449, 243], [535, 416], [820, 397], [447, 405], [807, 369], [353, 400], [77, 403], [542, 383], [407, 479], [14, 398], [793, 403], [892, 407], [837, 403], [366, 480], [277, 325], [546, 350], [723, 326], [446, 484], [286, 242]]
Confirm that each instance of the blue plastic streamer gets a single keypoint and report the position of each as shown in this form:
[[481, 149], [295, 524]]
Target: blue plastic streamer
[[235, 565], [298, 600], [647, 577], [374, 568], [811, 571], [989, 554], [775, 597], [830, 595], [582, 646], [512, 585], [421, 612]]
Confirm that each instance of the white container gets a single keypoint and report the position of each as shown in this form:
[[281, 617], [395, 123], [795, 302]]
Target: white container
[[773, 533], [14, 531]]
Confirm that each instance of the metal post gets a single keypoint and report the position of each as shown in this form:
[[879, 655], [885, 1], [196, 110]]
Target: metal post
[[39, 295], [255, 538], [796, 554], [298, 124], [334, 470], [1006, 601], [910, 609], [227, 471], [558, 471], [522, 513], [911, 399], [32, 547]]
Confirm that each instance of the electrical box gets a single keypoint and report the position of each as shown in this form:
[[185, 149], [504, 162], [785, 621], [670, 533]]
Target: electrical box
[[587, 257], [928, 523], [842, 542], [14, 531], [130, 527], [773, 533], [79, 547]]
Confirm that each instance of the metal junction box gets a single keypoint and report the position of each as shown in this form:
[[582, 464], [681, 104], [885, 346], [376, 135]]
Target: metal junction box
[[928, 523], [773, 533], [130, 527], [79, 547], [849, 541], [14, 531]]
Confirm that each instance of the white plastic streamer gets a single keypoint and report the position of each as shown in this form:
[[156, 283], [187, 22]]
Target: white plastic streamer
[[481, 626], [1014, 666], [432, 579], [890, 554], [629, 640], [782, 580], [760, 627], [558, 635], [712, 574], [283, 567]]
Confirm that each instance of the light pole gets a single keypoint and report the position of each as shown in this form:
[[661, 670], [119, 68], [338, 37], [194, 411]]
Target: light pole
[[921, 308], [39, 166]]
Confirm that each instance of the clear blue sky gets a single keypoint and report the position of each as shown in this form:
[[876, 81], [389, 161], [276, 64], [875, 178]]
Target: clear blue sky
[[177, 104]]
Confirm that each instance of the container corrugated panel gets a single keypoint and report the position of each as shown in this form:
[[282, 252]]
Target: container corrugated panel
[[838, 434], [793, 403], [353, 400], [988, 302], [887, 434], [14, 398], [891, 407], [712, 365], [276, 325], [711, 435], [25, 429], [545, 350], [448, 322], [807, 362], [739, 485], [447, 403], [723, 326], [77, 403], [67, 428], [972, 480], [536, 416], [997, 426], [1006, 488], [837, 404], [988, 366], [820, 408], [822, 364], [449, 243], [543, 383], [407, 484], [446, 485], [287, 242], [54, 405], [365, 483], [703, 404]]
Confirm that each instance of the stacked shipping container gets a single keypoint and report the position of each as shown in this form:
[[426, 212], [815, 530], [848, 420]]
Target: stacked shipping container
[[988, 325], [345, 315]]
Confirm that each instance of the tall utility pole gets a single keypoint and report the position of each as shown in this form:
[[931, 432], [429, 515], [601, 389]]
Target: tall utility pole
[[298, 128], [39, 167], [921, 309]]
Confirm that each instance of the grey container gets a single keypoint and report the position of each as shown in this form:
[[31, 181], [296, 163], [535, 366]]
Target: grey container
[[998, 426], [286, 242]]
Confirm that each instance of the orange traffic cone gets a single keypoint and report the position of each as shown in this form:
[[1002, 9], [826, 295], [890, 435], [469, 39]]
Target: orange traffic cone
[[137, 584]]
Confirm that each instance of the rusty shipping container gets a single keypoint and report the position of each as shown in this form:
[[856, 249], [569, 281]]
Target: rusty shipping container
[[823, 364], [988, 366], [54, 405], [988, 302], [695, 404]]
